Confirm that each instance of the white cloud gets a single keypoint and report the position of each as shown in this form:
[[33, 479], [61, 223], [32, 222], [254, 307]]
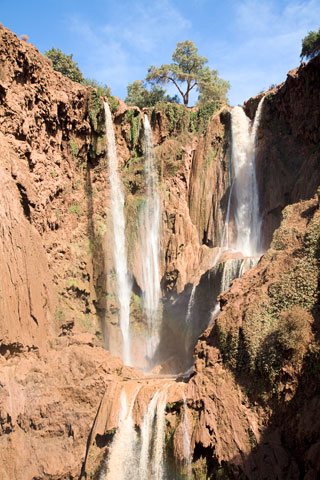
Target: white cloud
[[120, 51], [267, 43]]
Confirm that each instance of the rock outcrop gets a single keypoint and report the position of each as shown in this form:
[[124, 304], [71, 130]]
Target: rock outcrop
[[268, 335], [288, 144]]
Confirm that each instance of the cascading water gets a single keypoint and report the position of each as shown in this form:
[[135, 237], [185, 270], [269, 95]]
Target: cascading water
[[243, 193], [120, 466], [134, 456], [188, 320], [186, 439], [119, 243], [231, 270], [150, 242], [245, 188]]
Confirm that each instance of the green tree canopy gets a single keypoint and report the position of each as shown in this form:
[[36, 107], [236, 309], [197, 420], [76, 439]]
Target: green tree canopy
[[64, 64], [102, 89], [140, 96], [188, 71], [310, 45]]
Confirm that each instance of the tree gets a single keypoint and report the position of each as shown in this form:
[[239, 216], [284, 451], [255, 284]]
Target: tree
[[64, 64], [102, 89], [310, 45], [188, 71], [140, 96]]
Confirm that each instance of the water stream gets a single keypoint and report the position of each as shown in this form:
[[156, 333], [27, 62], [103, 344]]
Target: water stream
[[139, 456], [120, 466], [246, 197], [150, 242], [186, 439], [119, 239]]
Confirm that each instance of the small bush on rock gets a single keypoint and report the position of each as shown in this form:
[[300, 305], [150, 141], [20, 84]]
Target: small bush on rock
[[294, 333]]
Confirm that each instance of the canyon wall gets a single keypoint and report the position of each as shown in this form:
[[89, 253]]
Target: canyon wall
[[288, 149]]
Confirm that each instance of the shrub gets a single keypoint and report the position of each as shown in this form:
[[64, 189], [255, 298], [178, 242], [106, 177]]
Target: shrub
[[138, 95], [134, 118], [310, 45], [294, 333], [76, 209], [64, 64], [74, 148]]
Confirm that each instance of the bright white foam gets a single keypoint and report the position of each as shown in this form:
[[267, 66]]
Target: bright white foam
[[119, 243], [150, 242], [245, 189]]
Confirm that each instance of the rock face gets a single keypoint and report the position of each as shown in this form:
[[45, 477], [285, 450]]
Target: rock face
[[26, 300], [251, 384], [288, 144], [267, 335]]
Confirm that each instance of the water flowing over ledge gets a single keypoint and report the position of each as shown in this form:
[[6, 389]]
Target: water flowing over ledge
[[119, 241], [150, 243]]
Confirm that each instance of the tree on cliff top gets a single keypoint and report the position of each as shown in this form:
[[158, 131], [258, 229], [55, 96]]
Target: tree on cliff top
[[188, 71], [64, 64], [140, 96], [310, 45]]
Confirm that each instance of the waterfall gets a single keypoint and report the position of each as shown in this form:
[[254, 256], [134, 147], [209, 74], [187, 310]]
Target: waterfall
[[186, 439], [188, 323], [122, 466], [157, 457], [119, 243], [231, 270], [152, 434], [134, 456], [245, 188], [150, 241]]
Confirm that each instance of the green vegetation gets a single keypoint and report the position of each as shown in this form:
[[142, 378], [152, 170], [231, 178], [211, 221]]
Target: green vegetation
[[277, 325], [138, 95], [310, 45], [73, 147], [64, 64], [94, 106], [133, 117], [77, 209], [188, 71], [181, 120], [101, 90]]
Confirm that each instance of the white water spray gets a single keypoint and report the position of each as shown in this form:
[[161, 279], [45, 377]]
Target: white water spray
[[231, 270], [150, 242], [186, 439], [122, 466], [245, 189], [119, 243], [134, 457], [188, 320]]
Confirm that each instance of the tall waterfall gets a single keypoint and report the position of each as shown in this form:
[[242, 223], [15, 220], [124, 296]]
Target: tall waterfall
[[119, 243], [245, 188], [150, 241], [139, 456], [188, 320]]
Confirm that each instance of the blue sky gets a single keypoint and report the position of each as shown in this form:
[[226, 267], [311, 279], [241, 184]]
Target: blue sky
[[253, 43]]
